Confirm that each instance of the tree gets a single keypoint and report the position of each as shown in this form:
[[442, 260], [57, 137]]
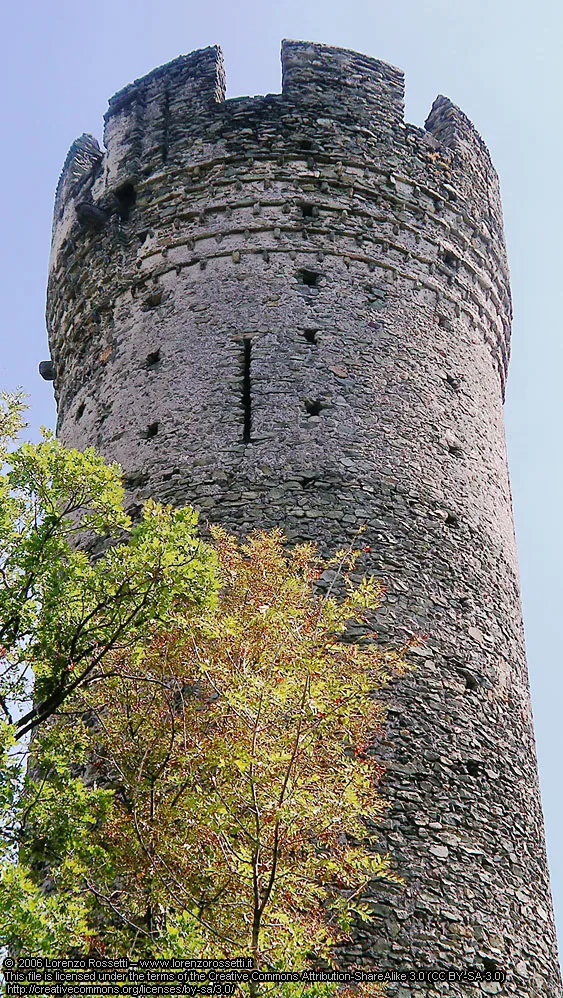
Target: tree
[[202, 782], [237, 798], [62, 613]]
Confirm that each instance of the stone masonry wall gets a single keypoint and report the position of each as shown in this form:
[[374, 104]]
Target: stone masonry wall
[[295, 310]]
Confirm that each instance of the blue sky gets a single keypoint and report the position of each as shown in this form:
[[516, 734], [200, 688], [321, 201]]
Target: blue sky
[[498, 59]]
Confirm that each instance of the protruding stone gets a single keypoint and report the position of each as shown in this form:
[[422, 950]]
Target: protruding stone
[[90, 216]]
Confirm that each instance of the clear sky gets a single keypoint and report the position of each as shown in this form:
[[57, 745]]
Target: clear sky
[[499, 60]]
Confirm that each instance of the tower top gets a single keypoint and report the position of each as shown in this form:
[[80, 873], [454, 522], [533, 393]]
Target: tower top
[[335, 104], [339, 84]]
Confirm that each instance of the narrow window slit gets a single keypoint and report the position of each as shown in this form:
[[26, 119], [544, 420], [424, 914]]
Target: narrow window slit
[[246, 390], [307, 210]]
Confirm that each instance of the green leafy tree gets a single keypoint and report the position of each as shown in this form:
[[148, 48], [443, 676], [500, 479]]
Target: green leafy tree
[[61, 614]]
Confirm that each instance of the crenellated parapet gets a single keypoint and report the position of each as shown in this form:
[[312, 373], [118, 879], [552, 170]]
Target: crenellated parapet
[[294, 310], [339, 121]]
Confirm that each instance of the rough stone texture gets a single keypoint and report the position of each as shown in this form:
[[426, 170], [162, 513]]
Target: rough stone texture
[[307, 270]]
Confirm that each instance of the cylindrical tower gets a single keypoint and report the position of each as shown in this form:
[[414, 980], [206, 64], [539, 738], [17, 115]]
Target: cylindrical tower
[[295, 310]]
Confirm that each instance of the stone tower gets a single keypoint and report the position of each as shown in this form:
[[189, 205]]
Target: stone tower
[[295, 310]]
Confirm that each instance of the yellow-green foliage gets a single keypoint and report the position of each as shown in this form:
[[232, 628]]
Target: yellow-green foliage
[[236, 745]]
